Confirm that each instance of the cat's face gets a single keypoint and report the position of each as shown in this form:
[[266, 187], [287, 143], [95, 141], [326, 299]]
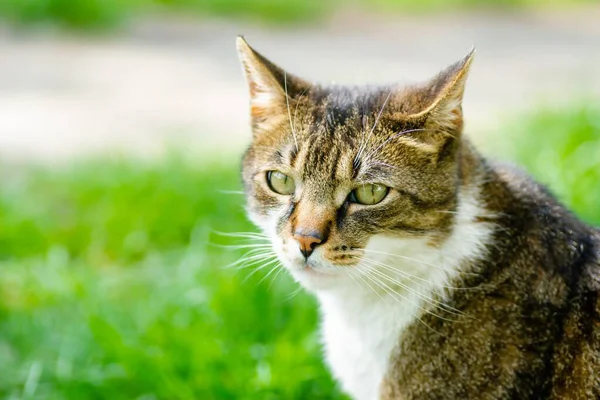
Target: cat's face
[[332, 173]]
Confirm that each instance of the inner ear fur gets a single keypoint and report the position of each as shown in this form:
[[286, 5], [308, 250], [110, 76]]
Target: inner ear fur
[[271, 88]]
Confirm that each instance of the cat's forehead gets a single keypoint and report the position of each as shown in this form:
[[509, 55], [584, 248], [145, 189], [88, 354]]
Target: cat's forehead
[[347, 106], [325, 158], [338, 136]]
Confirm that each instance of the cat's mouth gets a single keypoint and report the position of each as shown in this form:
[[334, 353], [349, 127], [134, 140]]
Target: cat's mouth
[[314, 278], [327, 265], [317, 270], [307, 270], [316, 274], [311, 269]]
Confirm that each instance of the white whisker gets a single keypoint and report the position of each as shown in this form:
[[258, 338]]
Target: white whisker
[[359, 276], [224, 191], [243, 246], [277, 267], [396, 270], [298, 102], [410, 277], [402, 297], [280, 268], [393, 295], [413, 259], [392, 138], [432, 302], [287, 102], [260, 268], [250, 260], [366, 139], [243, 235], [294, 293]]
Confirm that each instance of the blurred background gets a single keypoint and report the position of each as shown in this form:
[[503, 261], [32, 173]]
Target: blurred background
[[122, 123]]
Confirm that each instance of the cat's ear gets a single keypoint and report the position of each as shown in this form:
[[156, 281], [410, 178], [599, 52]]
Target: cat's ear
[[440, 101], [271, 88]]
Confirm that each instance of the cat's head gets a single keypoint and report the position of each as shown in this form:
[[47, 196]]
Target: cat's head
[[336, 175]]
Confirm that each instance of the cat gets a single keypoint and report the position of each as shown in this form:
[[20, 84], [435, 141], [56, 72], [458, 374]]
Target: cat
[[439, 274]]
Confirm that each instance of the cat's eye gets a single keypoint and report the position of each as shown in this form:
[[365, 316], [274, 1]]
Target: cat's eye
[[369, 194], [280, 182]]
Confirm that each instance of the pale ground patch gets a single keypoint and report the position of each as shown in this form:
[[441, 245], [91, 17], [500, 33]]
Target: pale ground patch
[[178, 83]]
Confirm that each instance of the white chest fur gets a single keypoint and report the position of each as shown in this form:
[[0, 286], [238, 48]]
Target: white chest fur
[[363, 323], [358, 341]]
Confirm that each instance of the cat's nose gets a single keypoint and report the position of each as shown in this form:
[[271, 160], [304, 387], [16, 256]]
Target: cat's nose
[[307, 242]]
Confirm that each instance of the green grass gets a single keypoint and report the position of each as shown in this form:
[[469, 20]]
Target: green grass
[[103, 14], [111, 289], [562, 150]]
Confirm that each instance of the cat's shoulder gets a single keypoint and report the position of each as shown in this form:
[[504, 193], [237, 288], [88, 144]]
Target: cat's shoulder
[[518, 180]]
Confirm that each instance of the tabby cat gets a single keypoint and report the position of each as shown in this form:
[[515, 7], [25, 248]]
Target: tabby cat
[[440, 274]]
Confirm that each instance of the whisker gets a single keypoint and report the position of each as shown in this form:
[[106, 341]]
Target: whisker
[[256, 251], [358, 275], [365, 139], [258, 146], [381, 285], [392, 138], [250, 235], [415, 260], [424, 297], [432, 302], [293, 294], [298, 102], [287, 101], [247, 261], [242, 246], [368, 272], [393, 295], [275, 268], [250, 264], [260, 268], [410, 276], [224, 191], [354, 280], [387, 98], [280, 268], [446, 211], [396, 270]]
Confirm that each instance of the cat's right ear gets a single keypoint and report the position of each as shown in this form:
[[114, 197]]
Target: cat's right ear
[[271, 88]]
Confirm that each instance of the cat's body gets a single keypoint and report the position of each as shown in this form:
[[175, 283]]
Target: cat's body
[[531, 328], [439, 275]]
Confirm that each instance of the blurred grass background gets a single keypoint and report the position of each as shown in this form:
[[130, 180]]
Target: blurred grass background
[[102, 14], [112, 282], [112, 287]]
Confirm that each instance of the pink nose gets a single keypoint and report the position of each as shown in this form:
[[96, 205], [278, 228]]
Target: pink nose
[[307, 243]]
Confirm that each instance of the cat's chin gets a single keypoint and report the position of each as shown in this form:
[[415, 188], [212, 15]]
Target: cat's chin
[[315, 279]]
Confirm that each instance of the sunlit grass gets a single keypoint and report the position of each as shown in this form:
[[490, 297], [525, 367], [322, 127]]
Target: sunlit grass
[[112, 287], [562, 150]]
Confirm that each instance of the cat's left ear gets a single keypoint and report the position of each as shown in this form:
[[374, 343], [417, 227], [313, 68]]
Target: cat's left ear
[[271, 88], [441, 99]]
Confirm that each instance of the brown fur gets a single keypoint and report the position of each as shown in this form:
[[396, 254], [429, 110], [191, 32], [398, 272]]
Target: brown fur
[[530, 327]]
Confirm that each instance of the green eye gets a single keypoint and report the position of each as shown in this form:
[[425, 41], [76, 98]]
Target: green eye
[[369, 194], [280, 182]]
